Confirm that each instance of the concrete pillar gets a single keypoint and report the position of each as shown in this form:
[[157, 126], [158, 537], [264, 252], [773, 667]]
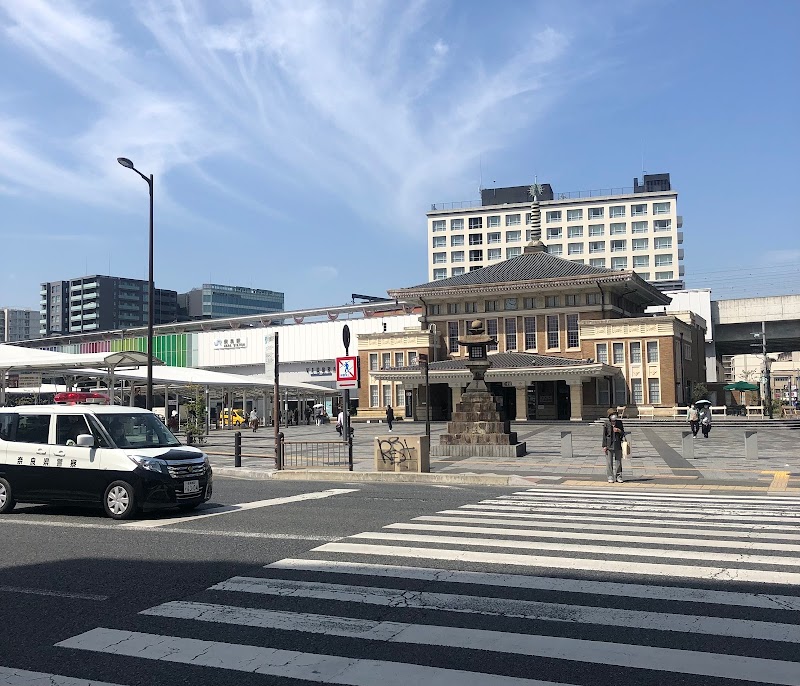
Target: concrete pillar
[[687, 445], [522, 403], [751, 445], [575, 400], [457, 392], [566, 445]]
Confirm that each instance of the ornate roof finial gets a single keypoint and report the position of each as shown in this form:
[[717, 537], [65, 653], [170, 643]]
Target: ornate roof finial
[[536, 244]]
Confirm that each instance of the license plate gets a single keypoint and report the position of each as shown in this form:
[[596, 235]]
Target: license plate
[[191, 486]]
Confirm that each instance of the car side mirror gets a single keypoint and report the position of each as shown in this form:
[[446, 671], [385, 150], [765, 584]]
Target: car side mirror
[[85, 441]]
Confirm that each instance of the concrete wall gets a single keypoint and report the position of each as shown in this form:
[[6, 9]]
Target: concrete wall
[[769, 309]]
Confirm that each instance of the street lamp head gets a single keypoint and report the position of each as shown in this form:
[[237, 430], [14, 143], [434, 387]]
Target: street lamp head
[[125, 162]]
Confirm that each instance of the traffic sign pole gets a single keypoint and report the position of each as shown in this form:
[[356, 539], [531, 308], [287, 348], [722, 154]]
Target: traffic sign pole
[[346, 393]]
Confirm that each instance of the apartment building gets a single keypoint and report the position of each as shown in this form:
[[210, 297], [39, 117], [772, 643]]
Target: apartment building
[[216, 301], [622, 229], [101, 303], [16, 324]]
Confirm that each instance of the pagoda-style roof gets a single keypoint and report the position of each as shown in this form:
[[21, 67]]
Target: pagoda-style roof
[[535, 270]]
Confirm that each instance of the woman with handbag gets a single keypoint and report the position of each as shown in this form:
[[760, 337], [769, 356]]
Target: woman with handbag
[[613, 435]]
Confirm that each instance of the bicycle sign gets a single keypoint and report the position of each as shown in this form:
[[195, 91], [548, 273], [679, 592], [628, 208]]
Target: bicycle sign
[[346, 372]]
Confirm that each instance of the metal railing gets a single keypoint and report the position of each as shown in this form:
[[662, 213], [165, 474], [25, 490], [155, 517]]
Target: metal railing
[[315, 454]]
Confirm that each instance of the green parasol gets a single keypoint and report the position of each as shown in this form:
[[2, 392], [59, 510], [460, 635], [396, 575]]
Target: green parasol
[[741, 386]]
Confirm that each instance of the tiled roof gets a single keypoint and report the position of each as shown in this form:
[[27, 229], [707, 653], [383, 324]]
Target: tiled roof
[[503, 361], [531, 266]]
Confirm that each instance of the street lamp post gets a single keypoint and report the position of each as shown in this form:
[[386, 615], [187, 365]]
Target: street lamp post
[[125, 162]]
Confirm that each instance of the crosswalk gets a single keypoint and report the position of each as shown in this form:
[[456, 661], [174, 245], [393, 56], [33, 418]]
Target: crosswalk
[[543, 586]]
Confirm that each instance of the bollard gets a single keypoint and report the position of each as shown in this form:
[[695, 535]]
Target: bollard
[[751, 444], [237, 449], [566, 445], [687, 445]]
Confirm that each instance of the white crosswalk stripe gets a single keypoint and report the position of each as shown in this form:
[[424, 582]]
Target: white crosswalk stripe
[[526, 588]]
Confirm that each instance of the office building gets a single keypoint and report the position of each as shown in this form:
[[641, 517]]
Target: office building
[[215, 301], [16, 324], [620, 228], [101, 303]]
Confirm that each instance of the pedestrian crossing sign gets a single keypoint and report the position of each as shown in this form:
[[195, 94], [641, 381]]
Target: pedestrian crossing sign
[[346, 372]]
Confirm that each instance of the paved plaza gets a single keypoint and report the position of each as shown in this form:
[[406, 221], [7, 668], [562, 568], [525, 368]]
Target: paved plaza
[[657, 455]]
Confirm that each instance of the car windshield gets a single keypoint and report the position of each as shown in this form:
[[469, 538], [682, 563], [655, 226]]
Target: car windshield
[[137, 430]]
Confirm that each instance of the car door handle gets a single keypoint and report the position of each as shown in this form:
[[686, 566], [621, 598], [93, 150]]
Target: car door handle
[[59, 453], [41, 451]]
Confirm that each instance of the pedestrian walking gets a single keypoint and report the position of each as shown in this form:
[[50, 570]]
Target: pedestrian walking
[[340, 422], [389, 416], [613, 433], [694, 419], [705, 420], [308, 415], [254, 419]]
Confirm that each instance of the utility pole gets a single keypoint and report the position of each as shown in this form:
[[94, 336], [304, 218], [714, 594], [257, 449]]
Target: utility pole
[[766, 377]]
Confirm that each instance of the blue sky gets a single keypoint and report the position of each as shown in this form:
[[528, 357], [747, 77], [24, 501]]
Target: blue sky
[[297, 145]]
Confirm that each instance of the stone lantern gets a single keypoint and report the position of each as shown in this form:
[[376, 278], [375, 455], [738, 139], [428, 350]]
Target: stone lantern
[[477, 344]]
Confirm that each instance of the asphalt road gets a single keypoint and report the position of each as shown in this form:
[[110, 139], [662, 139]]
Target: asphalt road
[[373, 583]]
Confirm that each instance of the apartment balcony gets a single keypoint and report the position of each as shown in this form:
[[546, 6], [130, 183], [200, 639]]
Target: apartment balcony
[[680, 253], [43, 290], [680, 221], [681, 270], [680, 236]]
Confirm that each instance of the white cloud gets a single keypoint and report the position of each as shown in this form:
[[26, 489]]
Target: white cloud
[[440, 48], [323, 273]]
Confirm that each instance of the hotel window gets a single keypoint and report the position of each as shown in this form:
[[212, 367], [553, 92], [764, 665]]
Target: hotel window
[[373, 395], [412, 358], [457, 271], [638, 210], [511, 304], [440, 241], [439, 257], [596, 230], [491, 330], [595, 213], [470, 307], [439, 274], [638, 227], [660, 208], [616, 211], [598, 262], [476, 239], [553, 233], [574, 215], [618, 353], [475, 223], [663, 260], [493, 237], [645, 275], [456, 256], [664, 276], [399, 360], [490, 306], [576, 261], [529, 303], [592, 298], [602, 353], [387, 394], [476, 255], [654, 391], [513, 236], [512, 220], [636, 352], [527, 217], [552, 301], [662, 225], [617, 229], [597, 246], [452, 337], [399, 396], [574, 232], [619, 262], [553, 334], [619, 245], [386, 360], [457, 241], [493, 221], [639, 244], [573, 337], [452, 308], [572, 300], [494, 254], [652, 352], [556, 249], [530, 333], [637, 393], [440, 225], [575, 249], [511, 333], [553, 216], [456, 224], [434, 309], [513, 252], [641, 261], [373, 362], [663, 243]]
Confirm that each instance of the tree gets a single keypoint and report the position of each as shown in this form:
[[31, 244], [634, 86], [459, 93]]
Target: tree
[[196, 421], [699, 392]]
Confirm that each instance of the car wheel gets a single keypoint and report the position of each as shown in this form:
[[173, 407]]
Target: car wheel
[[119, 501], [7, 502]]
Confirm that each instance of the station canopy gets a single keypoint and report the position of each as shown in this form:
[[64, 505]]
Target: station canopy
[[15, 358]]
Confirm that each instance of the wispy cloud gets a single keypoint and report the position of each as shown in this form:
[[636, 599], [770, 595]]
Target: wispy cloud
[[772, 257], [323, 273]]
